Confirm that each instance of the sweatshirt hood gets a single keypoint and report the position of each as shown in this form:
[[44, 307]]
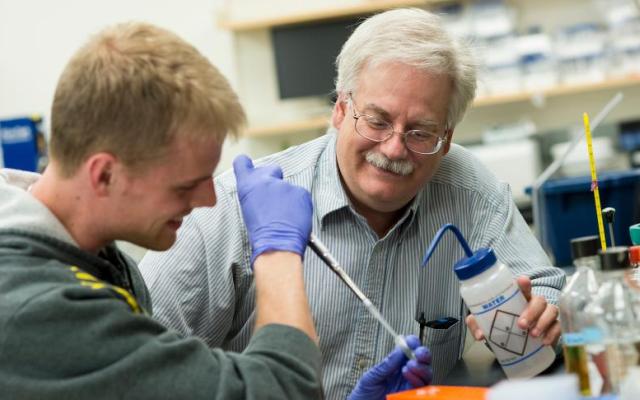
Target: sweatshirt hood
[[19, 210]]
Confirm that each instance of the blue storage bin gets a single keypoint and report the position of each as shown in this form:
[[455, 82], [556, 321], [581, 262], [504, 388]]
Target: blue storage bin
[[19, 143], [569, 210]]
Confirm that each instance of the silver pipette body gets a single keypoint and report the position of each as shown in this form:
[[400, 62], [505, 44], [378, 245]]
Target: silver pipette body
[[323, 252]]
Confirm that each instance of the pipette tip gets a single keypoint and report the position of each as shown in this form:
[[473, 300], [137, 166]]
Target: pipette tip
[[400, 342]]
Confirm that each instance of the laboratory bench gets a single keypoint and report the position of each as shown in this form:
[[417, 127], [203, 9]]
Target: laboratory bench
[[478, 367]]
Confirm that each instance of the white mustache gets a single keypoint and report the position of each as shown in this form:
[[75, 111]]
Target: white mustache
[[399, 167]]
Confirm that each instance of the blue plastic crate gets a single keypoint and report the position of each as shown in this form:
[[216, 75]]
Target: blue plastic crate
[[569, 210], [19, 141]]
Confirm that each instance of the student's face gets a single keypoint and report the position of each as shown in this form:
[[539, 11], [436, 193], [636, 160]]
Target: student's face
[[154, 202], [407, 98]]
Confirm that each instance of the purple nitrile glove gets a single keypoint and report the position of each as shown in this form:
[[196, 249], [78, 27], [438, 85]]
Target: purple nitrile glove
[[277, 214], [395, 373]]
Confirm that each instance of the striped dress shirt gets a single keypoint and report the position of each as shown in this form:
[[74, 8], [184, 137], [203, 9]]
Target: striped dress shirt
[[203, 285]]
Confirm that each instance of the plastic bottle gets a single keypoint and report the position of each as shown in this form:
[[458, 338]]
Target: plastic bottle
[[579, 291], [491, 293]]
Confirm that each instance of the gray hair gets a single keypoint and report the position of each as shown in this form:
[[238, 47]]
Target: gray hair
[[414, 37]]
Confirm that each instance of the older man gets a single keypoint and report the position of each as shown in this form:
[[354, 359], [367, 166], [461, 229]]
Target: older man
[[383, 180]]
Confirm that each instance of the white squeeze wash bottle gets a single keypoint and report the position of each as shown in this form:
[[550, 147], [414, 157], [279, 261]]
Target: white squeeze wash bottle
[[491, 293]]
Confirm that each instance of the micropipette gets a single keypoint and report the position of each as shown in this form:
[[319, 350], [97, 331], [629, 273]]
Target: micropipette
[[321, 250]]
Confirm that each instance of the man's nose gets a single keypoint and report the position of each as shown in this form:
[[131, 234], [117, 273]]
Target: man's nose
[[394, 147], [204, 196]]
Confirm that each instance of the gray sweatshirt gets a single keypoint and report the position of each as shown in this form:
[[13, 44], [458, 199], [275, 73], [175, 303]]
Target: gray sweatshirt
[[74, 325]]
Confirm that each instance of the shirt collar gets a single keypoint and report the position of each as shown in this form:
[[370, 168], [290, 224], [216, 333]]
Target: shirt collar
[[414, 206], [327, 190]]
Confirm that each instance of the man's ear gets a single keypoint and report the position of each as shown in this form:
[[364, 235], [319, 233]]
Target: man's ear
[[449, 135], [102, 169], [339, 111]]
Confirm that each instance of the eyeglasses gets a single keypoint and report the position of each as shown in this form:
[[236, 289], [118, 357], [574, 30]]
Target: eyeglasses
[[378, 130]]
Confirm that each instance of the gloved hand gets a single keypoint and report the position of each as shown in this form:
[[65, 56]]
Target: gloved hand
[[277, 214], [395, 373]]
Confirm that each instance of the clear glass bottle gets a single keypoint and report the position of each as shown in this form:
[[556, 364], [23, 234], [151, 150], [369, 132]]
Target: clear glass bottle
[[634, 256], [584, 252], [615, 315], [579, 291], [634, 259]]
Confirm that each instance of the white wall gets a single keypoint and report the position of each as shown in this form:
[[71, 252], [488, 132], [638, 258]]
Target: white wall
[[37, 37]]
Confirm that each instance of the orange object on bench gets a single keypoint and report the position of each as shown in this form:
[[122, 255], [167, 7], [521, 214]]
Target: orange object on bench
[[435, 392]]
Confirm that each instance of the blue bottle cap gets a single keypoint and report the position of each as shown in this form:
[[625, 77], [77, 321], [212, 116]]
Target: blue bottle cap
[[475, 264], [634, 231]]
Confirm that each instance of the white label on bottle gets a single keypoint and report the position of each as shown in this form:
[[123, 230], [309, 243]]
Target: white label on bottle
[[498, 319]]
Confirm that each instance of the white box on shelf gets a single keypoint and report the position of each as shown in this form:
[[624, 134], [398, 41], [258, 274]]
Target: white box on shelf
[[500, 158]]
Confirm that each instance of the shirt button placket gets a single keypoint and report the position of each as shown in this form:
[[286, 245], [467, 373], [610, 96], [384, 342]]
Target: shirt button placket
[[375, 286]]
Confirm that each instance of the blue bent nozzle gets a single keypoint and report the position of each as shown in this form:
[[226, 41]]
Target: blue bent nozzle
[[437, 238]]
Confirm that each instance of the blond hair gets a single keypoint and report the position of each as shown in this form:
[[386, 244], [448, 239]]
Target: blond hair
[[130, 90]]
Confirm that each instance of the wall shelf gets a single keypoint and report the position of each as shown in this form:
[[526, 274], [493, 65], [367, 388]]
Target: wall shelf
[[321, 122], [365, 7], [310, 124], [617, 83]]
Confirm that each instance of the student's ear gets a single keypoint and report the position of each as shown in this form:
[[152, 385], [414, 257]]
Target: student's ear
[[339, 110], [102, 170]]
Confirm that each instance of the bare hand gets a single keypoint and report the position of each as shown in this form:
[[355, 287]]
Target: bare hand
[[540, 317]]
